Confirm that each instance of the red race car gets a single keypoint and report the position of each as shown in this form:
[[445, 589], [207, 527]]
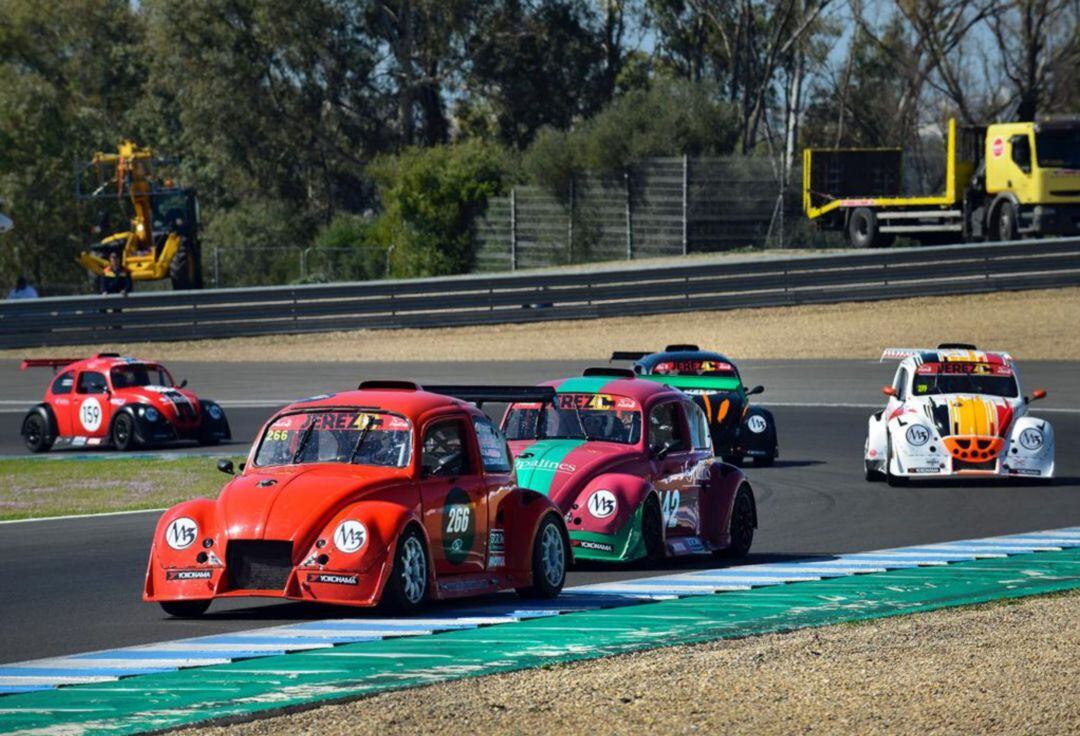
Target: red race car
[[385, 494], [630, 463], [117, 401]]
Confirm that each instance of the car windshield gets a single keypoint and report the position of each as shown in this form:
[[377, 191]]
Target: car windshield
[[965, 378], [695, 367], [596, 417], [140, 374], [1058, 149], [337, 436]]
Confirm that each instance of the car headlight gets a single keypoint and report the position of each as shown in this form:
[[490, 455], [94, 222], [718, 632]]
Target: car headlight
[[350, 536], [917, 435], [151, 414], [602, 504], [214, 411]]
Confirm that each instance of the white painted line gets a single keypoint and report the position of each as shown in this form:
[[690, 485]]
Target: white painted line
[[82, 516], [45, 680], [181, 647]]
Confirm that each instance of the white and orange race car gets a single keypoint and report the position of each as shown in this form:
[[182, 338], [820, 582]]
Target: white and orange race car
[[956, 412]]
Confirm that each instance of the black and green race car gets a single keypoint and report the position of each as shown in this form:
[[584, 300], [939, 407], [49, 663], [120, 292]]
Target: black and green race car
[[739, 430]]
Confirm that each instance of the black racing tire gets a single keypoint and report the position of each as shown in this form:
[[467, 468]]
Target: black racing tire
[[35, 433], [863, 230], [652, 529], [742, 526], [873, 476], [1005, 227], [185, 609], [407, 589], [122, 433], [550, 558], [182, 268]]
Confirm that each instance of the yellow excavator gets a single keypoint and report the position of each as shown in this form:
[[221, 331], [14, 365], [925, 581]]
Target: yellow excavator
[[162, 240]]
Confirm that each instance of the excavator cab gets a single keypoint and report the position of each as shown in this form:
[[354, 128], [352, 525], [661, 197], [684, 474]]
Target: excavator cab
[[161, 240]]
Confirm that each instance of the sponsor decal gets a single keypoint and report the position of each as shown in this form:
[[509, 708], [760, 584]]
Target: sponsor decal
[[90, 414], [332, 578], [458, 585], [857, 202], [214, 411], [756, 423], [78, 441], [872, 453], [181, 533], [964, 368], [692, 367], [1024, 471], [669, 506], [695, 544], [602, 504], [180, 575], [917, 435], [496, 549], [595, 402], [997, 147], [529, 463], [597, 546], [350, 536], [458, 526], [924, 470], [1031, 439]]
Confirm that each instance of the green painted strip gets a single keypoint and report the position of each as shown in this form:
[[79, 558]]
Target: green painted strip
[[717, 383], [538, 472], [584, 385], [152, 702]]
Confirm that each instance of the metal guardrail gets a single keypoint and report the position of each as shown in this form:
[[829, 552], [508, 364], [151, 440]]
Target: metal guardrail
[[530, 297]]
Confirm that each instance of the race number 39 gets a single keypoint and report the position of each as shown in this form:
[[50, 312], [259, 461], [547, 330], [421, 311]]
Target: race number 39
[[90, 414]]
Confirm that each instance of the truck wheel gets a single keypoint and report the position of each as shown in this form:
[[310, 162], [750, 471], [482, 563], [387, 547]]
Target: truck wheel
[[863, 229], [35, 433], [1006, 221], [182, 268]]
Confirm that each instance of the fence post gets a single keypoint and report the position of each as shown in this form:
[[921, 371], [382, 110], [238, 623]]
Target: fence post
[[217, 269], [629, 229], [570, 224], [513, 228], [685, 183], [389, 252], [303, 263]]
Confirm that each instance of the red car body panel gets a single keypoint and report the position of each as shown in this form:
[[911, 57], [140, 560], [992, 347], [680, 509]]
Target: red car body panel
[[302, 505]]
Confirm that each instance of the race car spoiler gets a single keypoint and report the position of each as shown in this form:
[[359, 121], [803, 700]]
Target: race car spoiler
[[53, 363], [639, 354], [902, 353], [499, 394]]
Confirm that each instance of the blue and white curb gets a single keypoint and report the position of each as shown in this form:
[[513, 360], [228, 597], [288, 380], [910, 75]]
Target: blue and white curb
[[113, 664]]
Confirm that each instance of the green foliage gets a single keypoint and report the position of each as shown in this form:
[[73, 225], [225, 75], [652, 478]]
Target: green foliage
[[430, 199], [258, 242], [669, 118], [345, 250]]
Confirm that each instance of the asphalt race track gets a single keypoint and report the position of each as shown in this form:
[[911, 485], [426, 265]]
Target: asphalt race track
[[74, 585]]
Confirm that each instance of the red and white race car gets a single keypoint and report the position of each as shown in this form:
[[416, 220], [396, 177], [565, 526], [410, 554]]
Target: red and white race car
[[117, 401]]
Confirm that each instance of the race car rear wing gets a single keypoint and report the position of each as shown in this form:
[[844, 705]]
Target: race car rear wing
[[498, 394], [900, 353], [53, 363], [629, 355]]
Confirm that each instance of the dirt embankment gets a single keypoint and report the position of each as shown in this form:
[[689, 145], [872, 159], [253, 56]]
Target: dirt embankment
[[1000, 669]]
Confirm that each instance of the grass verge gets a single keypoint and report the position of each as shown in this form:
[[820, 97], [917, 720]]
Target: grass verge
[[40, 487]]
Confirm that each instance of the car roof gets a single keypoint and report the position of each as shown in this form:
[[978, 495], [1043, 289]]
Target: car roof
[[105, 362], [411, 403], [959, 356], [651, 361], [638, 389]]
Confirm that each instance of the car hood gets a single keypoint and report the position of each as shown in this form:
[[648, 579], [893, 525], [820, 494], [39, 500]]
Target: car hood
[[561, 468], [294, 502], [165, 399], [970, 415]]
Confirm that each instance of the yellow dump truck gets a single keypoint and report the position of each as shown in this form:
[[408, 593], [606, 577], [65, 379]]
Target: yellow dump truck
[[1002, 182]]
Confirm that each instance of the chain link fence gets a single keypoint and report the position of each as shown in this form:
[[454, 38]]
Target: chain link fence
[[657, 207], [234, 267]]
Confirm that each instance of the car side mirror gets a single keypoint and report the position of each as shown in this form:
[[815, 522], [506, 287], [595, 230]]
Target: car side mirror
[[759, 389], [1039, 393], [183, 383], [888, 390], [226, 466]]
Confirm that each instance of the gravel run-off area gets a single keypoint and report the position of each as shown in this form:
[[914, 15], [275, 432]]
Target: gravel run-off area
[[1002, 668], [1032, 325]]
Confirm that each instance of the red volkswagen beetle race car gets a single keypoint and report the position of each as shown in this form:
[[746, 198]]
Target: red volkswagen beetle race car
[[117, 401], [385, 494], [630, 463]]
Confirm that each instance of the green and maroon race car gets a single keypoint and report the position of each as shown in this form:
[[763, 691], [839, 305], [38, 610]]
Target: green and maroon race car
[[738, 429], [630, 464]]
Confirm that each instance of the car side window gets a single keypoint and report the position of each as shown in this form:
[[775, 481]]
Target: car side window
[[63, 383], [445, 452], [901, 384], [699, 426], [91, 382], [494, 452], [665, 428]]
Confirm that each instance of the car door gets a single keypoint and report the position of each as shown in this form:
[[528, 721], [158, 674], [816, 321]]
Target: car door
[[673, 458], [498, 468], [91, 410], [453, 497]]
